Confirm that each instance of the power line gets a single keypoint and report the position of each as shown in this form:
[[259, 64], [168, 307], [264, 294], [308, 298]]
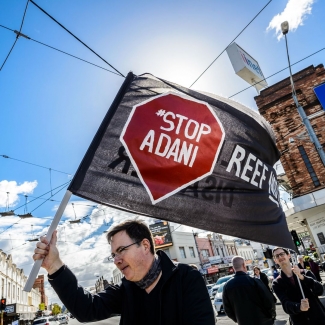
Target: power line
[[22, 22], [75, 36], [53, 48], [63, 185], [229, 43], [306, 57], [61, 51], [13, 45], [29, 163], [17, 36]]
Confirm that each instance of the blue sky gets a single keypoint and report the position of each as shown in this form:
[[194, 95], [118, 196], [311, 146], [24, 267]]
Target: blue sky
[[51, 104]]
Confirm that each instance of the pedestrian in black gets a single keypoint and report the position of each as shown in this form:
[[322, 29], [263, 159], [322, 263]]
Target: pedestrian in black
[[302, 311], [246, 300], [304, 265], [154, 289], [262, 276]]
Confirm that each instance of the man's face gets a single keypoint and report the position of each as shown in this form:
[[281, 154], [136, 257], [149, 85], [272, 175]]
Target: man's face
[[131, 261], [281, 257], [301, 260]]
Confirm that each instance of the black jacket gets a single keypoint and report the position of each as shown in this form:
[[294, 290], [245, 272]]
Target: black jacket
[[247, 301], [305, 265], [184, 298], [264, 278], [290, 297]]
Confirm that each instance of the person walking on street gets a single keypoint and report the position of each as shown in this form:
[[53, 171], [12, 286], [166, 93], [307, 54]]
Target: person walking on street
[[315, 269], [275, 272], [304, 265], [154, 289], [246, 300], [262, 276], [308, 311]]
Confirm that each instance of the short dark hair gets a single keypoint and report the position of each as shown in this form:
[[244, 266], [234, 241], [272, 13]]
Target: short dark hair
[[137, 230], [276, 248]]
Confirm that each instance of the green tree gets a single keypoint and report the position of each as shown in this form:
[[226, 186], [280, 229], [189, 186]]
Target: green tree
[[56, 309]]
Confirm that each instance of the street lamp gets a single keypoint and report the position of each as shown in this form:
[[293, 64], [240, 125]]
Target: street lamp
[[303, 116]]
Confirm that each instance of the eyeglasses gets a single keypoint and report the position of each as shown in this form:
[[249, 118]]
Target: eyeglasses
[[280, 255], [120, 250]]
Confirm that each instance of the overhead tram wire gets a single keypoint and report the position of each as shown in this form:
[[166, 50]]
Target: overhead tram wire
[[17, 36], [62, 187], [73, 56], [29, 163], [35, 4], [306, 57], [229, 44]]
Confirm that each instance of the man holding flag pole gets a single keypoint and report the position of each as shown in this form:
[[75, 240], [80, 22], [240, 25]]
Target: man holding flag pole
[[298, 291]]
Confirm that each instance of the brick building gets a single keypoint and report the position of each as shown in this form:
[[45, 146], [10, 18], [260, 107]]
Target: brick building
[[304, 171], [301, 162], [39, 283]]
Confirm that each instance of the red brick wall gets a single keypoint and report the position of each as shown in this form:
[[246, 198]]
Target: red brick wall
[[39, 283], [276, 104]]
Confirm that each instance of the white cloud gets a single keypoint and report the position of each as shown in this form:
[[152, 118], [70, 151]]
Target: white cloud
[[295, 13], [14, 190]]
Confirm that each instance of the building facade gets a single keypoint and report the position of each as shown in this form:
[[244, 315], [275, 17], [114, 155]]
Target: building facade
[[39, 284], [302, 165], [304, 171], [245, 250], [20, 304]]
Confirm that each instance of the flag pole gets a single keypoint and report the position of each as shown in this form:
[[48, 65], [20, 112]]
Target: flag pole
[[37, 265], [296, 257]]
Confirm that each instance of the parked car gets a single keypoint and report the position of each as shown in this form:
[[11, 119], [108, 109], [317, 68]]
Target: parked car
[[209, 287], [45, 321], [218, 304], [218, 283], [62, 319]]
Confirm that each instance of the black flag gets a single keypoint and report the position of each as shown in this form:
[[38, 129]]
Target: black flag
[[180, 155]]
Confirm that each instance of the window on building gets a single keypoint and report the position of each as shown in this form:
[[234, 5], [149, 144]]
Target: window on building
[[2, 287], [222, 252], [182, 252], [8, 290], [218, 251], [13, 291], [18, 294], [309, 166], [205, 252], [192, 253]]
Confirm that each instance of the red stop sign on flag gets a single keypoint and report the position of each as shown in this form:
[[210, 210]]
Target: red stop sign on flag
[[173, 141]]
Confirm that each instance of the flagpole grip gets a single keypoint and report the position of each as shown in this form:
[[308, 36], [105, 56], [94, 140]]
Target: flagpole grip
[[302, 291], [37, 265]]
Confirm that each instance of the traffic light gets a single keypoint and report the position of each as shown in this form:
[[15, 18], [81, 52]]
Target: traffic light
[[295, 238], [3, 304]]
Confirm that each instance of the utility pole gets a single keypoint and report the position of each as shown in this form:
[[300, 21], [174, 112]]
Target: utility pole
[[197, 248], [303, 116]]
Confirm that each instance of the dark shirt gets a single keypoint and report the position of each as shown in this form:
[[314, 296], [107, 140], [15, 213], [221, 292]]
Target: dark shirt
[[150, 306]]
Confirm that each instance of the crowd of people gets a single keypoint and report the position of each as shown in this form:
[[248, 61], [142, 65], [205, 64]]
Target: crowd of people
[[155, 289]]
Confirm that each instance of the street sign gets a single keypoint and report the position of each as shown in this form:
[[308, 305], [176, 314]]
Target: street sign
[[178, 135], [245, 66], [320, 93]]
